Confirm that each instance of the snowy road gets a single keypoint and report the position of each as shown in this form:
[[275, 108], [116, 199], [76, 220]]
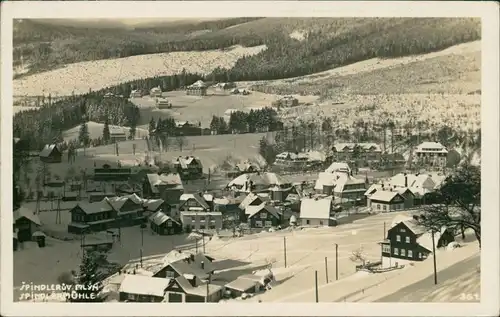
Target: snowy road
[[420, 291]]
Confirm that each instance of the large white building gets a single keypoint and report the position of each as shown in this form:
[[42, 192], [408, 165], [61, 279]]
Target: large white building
[[432, 154]]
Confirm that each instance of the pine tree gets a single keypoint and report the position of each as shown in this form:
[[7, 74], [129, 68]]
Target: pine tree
[[106, 135], [84, 136], [88, 286]]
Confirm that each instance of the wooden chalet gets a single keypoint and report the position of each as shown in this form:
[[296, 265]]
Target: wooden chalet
[[263, 216], [162, 224], [51, 154], [25, 224], [407, 241], [168, 187], [189, 167]]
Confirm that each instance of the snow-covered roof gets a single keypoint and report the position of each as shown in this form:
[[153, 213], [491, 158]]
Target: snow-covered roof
[[434, 147], [95, 207], [144, 285], [338, 167], [159, 218], [188, 263], [373, 147], [253, 210], [260, 179], [197, 197], [413, 180], [204, 213], [172, 179], [241, 284], [184, 161], [315, 208], [250, 198], [384, 195], [337, 179], [118, 202], [28, 214], [47, 150], [198, 84]]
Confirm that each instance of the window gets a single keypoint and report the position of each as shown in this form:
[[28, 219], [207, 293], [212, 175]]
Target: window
[[398, 238], [407, 239], [402, 230], [386, 248], [321, 222], [396, 251], [170, 274], [258, 223], [378, 206], [202, 227], [419, 255], [268, 224], [212, 226], [263, 215], [202, 218], [131, 296], [385, 207], [410, 253], [308, 222], [169, 223], [403, 252]]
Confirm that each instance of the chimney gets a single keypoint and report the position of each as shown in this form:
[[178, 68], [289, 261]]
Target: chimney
[[406, 180], [202, 265]]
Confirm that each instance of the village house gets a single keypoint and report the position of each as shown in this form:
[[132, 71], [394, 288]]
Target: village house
[[260, 183], [189, 167], [136, 94], [290, 159], [341, 185], [338, 167], [168, 187], [199, 88], [186, 128], [431, 154], [143, 289], [163, 103], [247, 283], [200, 220], [262, 216], [253, 199], [117, 134], [194, 202], [155, 92], [406, 241], [361, 154], [162, 224], [377, 202], [25, 224], [105, 214], [286, 102], [128, 189], [317, 212], [51, 154], [225, 86]]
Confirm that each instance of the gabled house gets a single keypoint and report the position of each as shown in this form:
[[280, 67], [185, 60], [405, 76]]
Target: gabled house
[[51, 154], [136, 93], [407, 241], [162, 224], [189, 167], [253, 200], [262, 216], [199, 88], [406, 193], [317, 212], [168, 187], [25, 224], [341, 185], [153, 205], [357, 152], [155, 92], [130, 209], [338, 167], [258, 183], [95, 216], [386, 201], [128, 189], [184, 289], [193, 202], [200, 220], [143, 289], [117, 134], [432, 154]]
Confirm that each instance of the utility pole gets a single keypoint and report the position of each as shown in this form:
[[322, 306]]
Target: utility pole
[[326, 269], [434, 258], [316, 284], [284, 248], [384, 231], [203, 237], [196, 245], [336, 262]]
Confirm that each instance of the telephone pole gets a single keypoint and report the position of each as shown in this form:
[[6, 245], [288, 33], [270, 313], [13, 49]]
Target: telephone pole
[[434, 258], [316, 284], [336, 261], [326, 269], [284, 248]]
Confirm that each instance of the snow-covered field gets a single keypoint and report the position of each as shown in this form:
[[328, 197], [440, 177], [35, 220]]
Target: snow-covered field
[[95, 75]]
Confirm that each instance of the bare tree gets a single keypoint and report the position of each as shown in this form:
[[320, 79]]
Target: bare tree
[[181, 142], [458, 205], [358, 255]]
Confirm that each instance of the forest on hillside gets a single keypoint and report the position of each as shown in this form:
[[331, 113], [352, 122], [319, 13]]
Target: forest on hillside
[[46, 124], [326, 43]]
